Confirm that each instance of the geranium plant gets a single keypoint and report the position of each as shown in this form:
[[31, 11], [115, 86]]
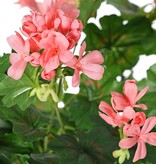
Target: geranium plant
[[109, 120]]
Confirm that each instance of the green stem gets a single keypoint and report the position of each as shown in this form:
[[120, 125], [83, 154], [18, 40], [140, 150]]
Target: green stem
[[121, 132], [59, 120]]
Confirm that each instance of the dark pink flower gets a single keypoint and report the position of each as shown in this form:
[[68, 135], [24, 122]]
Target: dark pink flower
[[139, 136], [130, 97]]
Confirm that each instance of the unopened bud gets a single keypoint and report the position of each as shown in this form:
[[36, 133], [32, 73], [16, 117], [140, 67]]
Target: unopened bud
[[122, 154]]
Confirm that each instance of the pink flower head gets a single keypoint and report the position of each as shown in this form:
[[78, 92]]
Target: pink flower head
[[55, 45], [89, 65], [17, 59], [130, 97], [140, 137], [115, 118]]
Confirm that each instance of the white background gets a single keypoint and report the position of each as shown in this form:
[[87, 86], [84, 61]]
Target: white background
[[11, 15]]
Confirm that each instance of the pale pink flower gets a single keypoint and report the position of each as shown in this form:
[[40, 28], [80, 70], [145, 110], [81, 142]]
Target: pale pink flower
[[115, 118], [130, 97], [89, 65], [140, 137], [17, 59], [56, 50]]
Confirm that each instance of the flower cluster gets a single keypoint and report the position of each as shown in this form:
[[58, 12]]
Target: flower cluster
[[133, 125], [51, 31]]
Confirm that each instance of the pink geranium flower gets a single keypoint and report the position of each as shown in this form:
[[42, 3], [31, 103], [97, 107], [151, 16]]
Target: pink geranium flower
[[56, 50], [140, 137], [113, 117], [17, 59], [89, 65], [130, 97]]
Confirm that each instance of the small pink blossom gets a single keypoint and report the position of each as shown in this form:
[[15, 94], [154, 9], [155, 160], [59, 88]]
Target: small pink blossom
[[130, 97], [139, 118], [48, 76], [140, 137], [17, 59], [113, 117], [89, 65]]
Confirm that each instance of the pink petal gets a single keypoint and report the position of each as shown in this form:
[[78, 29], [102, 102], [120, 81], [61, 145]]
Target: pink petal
[[128, 114], [14, 58], [150, 138], [76, 78], [141, 93], [94, 71], [149, 124], [32, 4], [65, 56], [93, 57], [48, 76], [142, 106], [107, 119], [70, 10], [52, 64], [118, 101], [26, 48], [107, 109], [16, 43], [130, 91], [16, 70], [140, 152], [82, 49], [127, 143], [139, 118], [72, 62], [131, 130], [61, 42]]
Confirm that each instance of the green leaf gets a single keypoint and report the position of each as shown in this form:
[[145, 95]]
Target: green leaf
[[4, 63], [86, 147], [44, 159], [30, 125], [81, 111], [17, 91], [120, 44], [148, 99], [88, 9], [127, 9]]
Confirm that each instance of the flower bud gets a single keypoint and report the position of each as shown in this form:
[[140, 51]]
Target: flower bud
[[122, 154]]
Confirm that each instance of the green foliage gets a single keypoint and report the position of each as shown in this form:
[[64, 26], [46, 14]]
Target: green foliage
[[85, 147], [26, 124], [17, 91], [38, 132], [88, 9]]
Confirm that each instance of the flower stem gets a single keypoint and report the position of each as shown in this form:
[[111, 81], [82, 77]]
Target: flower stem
[[59, 120]]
